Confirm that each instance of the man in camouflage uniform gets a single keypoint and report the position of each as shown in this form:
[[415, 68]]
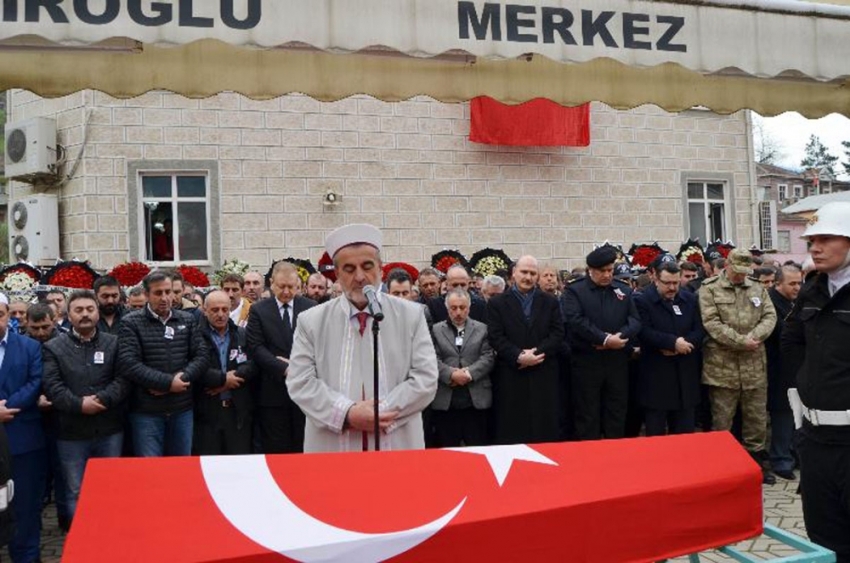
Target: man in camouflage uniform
[[738, 316]]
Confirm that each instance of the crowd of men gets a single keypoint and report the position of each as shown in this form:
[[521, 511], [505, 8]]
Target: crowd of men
[[164, 369]]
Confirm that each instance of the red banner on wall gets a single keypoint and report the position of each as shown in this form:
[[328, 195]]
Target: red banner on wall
[[616, 500], [536, 123]]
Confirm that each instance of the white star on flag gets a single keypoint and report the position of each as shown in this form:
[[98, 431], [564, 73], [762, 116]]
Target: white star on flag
[[502, 457]]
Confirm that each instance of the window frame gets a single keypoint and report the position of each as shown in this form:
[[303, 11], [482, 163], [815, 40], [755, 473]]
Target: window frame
[[798, 191], [208, 169], [783, 236], [729, 207], [782, 191]]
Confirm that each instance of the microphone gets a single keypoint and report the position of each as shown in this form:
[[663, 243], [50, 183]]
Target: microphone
[[374, 304]]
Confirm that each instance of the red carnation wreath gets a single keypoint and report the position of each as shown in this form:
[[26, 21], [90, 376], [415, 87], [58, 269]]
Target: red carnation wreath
[[411, 271], [193, 275], [643, 255], [129, 274], [73, 275], [445, 259]]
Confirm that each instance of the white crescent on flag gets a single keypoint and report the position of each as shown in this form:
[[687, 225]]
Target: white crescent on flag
[[248, 496]]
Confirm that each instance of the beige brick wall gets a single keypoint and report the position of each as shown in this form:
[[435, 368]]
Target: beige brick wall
[[407, 167]]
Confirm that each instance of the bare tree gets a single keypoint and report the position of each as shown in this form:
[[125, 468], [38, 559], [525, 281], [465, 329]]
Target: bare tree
[[768, 149]]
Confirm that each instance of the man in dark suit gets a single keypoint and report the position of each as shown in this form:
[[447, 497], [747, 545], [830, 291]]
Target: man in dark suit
[[526, 331], [601, 319], [457, 278], [464, 359], [271, 326], [671, 334], [788, 282], [7, 526], [223, 402], [20, 386]]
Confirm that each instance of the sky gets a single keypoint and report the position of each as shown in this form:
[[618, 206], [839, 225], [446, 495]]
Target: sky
[[791, 132]]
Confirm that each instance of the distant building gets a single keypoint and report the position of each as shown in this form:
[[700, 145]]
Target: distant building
[[782, 189]]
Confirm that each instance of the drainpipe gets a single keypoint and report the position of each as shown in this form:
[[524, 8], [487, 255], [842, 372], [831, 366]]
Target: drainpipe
[[751, 169]]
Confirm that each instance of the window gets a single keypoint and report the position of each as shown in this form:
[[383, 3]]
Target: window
[[707, 211], [783, 192], [798, 191], [811, 190], [783, 243], [767, 224], [175, 217]]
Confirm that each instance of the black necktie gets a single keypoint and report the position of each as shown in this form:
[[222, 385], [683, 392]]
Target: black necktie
[[286, 323]]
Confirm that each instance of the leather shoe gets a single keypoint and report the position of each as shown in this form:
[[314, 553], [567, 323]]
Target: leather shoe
[[787, 474], [767, 478]]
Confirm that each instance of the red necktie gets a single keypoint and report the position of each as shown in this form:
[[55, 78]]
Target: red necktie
[[362, 318]]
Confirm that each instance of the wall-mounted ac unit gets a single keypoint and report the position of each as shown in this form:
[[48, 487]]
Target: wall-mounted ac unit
[[31, 147], [34, 229]]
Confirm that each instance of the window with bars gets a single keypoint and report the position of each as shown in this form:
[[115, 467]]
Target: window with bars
[[175, 217], [767, 224]]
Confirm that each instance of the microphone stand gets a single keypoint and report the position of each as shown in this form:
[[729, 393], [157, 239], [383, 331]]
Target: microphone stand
[[376, 328]]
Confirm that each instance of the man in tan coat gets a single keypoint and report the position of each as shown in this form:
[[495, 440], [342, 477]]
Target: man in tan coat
[[330, 373], [738, 317]]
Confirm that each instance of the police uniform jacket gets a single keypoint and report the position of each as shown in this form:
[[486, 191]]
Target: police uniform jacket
[[816, 349], [592, 311], [729, 314]]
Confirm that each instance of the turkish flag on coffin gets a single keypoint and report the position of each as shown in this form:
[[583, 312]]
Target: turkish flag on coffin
[[609, 501], [537, 123]]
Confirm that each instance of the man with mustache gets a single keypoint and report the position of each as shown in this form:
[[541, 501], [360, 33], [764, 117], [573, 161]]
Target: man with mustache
[[86, 390], [331, 368]]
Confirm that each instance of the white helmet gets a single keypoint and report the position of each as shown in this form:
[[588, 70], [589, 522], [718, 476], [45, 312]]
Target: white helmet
[[831, 219]]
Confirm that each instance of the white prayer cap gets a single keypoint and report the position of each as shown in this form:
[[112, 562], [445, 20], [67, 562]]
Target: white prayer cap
[[4, 300], [353, 234]]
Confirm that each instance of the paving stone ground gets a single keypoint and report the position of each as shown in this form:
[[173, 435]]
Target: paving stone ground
[[782, 508]]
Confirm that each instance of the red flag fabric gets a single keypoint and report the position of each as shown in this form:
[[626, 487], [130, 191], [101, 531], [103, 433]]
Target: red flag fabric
[[636, 500], [537, 123]]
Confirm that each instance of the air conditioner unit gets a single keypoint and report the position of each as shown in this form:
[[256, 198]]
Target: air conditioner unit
[[31, 147], [34, 229]]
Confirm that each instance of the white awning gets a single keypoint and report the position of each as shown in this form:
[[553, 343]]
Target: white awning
[[723, 54]]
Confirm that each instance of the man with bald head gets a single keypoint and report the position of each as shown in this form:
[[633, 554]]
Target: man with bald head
[[253, 286], [223, 402], [458, 278], [526, 331]]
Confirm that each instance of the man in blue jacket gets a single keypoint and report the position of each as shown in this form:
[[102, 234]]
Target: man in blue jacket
[[20, 385], [671, 335]]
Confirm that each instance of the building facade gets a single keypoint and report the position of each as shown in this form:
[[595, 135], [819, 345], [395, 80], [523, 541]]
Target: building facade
[[162, 178]]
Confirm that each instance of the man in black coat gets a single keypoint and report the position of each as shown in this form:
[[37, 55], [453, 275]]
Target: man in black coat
[[671, 336], [223, 401], [787, 286], [87, 392], [526, 331], [600, 318], [271, 327], [816, 349], [7, 524], [161, 351]]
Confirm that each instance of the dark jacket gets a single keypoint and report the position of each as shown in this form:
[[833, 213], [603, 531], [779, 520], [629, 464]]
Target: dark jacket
[[102, 327], [150, 360], [668, 382], [816, 349], [20, 386], [439, 312], [74, 369], [777, 383], [591, 311], [525, 401], [237, 360], [7, 526], [267, 339]]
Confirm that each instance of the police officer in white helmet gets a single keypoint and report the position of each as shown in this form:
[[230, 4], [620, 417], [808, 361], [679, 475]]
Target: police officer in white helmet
[[816, 351]]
